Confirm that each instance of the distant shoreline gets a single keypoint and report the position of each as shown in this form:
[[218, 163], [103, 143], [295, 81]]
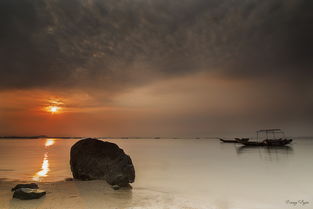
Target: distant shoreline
[[82, 137], [78, 137]]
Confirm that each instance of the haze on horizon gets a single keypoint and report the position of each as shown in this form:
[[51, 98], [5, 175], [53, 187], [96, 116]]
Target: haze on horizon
[[156, 67]]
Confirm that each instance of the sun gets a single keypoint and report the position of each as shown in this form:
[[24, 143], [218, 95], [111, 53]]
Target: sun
[[53, 109], [54, 106]]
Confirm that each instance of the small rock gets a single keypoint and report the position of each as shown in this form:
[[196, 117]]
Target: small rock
[[30, 186], [116, 187], [28, 194]]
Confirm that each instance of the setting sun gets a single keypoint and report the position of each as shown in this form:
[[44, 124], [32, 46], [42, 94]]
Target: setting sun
[[53, 109]]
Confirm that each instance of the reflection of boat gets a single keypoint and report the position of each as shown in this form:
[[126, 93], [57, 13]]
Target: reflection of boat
[[266, 149], [236, 140], [273, 141]]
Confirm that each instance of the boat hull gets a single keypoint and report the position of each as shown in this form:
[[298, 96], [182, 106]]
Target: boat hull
[[236, 140], [280, 142], [228, 141], [268, 142]]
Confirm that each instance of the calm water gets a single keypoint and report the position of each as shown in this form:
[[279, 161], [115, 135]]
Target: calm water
[[207, 171]]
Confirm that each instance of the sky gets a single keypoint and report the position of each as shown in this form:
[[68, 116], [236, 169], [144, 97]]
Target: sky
[[185, 68]]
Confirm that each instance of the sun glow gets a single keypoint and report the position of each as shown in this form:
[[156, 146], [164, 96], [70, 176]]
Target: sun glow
[[53, 109], [54, 106]]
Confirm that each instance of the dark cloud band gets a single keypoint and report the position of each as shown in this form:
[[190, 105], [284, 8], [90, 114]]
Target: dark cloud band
[[117, 44]]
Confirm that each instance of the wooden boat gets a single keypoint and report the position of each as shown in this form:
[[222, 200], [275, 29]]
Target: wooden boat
[[268, 141], [277, 142], [228, 140], [236, 140], [252, 143]]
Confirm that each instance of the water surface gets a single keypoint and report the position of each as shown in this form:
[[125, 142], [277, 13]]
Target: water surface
[[199, 170]]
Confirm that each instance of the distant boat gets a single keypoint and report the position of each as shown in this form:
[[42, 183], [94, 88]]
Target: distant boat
[[236, 140], [270, 140], [251, 143]]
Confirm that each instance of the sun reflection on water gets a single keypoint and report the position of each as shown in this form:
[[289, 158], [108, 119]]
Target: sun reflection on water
[[44, 169], [49, 142], [45, 163]]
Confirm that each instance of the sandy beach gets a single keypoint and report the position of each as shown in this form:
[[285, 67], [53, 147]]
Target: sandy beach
[[93, 195], [99, 195]]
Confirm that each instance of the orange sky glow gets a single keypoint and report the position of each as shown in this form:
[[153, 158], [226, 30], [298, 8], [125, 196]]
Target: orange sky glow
[[156, 68], [196, 105]]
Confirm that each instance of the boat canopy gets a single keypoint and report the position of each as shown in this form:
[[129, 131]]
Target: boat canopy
[[271, 132]]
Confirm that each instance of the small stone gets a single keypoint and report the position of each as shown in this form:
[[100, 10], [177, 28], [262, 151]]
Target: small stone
[[28, 194], [30, 186], [116, 187]]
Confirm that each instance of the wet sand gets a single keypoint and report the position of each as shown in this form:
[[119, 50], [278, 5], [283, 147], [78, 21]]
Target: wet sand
[[93, 195]]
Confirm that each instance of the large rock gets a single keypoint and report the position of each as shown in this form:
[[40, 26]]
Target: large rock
[[95, 159], [28, 194]]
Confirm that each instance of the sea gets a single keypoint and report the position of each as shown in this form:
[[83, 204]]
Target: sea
[[202, 171]]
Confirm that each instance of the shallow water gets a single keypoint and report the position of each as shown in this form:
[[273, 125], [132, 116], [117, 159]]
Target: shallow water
[[196, 170]]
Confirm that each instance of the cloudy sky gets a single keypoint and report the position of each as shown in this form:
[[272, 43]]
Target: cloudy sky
[[156, 67]]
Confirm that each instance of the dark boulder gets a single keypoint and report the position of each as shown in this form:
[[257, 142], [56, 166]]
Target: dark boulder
[[28, 194], [96, 159], [30, 186]]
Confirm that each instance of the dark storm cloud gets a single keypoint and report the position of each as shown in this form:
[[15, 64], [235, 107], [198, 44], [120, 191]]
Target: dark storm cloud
[[115, 44]]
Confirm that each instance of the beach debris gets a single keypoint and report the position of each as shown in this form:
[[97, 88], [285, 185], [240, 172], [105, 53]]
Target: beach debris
[[116, 187], [28, 194], [30, 186], [95, 159]]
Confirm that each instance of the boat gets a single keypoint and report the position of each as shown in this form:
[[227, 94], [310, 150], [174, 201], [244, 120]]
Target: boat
[[236, 140], [252, 143], [277, 142], [227, 140], [270, 140]]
